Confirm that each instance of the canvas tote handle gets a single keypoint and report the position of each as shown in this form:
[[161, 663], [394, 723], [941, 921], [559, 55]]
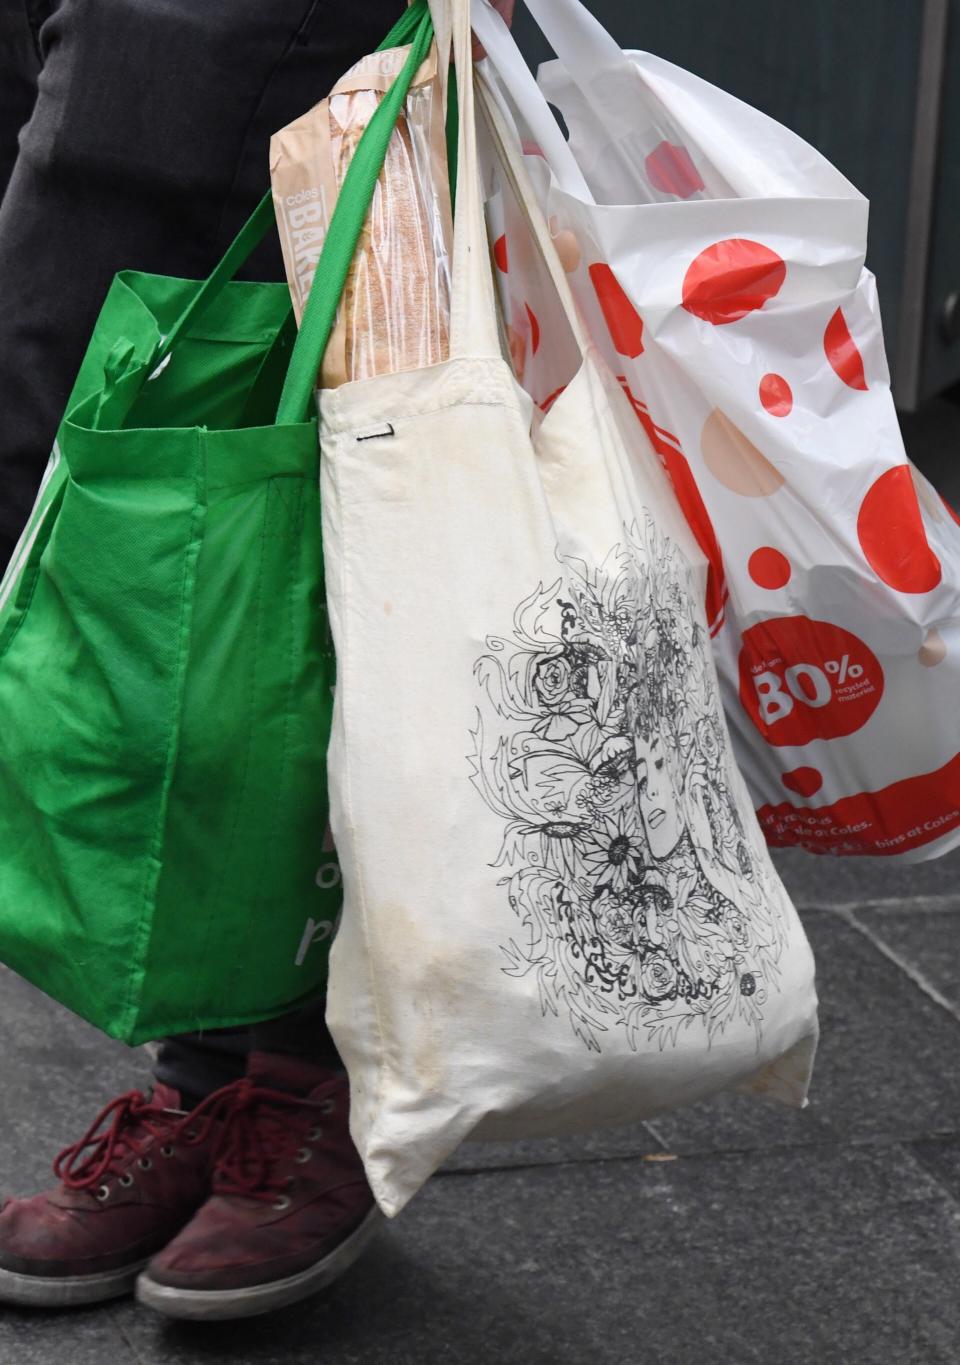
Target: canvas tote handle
[[473, 322]]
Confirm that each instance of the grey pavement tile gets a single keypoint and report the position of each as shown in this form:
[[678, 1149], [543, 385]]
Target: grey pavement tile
[[941, 1157], [89, 1336], [608, 1145], [835, 1257], [926, 940], [55, 1074], [886, 1069], [816, 881]]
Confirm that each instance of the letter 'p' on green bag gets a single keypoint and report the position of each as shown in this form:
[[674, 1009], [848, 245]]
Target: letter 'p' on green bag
[[166, 672]]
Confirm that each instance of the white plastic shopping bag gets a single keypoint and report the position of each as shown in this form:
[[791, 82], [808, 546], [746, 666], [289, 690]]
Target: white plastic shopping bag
[[559, 910], [718, 262]]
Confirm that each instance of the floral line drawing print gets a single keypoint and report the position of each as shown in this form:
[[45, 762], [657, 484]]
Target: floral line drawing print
[[646, 903]]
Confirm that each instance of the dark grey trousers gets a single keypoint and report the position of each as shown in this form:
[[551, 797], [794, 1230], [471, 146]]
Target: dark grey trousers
[[134, 134], [143, 143]]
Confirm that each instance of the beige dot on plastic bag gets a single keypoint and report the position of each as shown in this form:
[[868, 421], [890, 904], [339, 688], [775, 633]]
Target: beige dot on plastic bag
[[568, 248], [735, 461], [933, 651], [518, 351]]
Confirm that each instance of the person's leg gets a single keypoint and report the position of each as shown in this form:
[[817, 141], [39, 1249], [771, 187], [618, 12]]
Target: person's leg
[[147, 147], [197, 1064], [19, 67], [303, 1033]]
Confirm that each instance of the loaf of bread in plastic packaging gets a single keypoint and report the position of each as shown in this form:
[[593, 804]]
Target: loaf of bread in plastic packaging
[[395, 310]]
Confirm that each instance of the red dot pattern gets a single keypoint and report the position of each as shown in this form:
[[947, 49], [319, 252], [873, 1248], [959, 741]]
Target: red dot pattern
[[843, 353], [670, 169], [776, 395], [732, 279], [892, 535], [769, 568], [534, 329], [500, 254]]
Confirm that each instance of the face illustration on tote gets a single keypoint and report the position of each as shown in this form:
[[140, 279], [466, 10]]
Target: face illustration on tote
[[656, 796]]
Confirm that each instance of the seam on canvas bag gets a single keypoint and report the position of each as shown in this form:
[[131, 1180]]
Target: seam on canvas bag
[[347, 788]]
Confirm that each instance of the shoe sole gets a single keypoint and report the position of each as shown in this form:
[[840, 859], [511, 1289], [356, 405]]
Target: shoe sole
[[210, 1305], [66, 1291]]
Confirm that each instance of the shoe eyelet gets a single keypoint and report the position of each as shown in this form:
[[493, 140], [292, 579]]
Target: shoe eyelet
[[103, 1193], [328, 1107], [126, 1180], [166, 1149], [145, 1163], [315, 1134], [282, 1203], [191, 1135], [303, 1156]]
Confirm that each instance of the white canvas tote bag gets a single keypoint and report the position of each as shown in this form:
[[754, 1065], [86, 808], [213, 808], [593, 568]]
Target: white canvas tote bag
[[718, 263], [559, 911]]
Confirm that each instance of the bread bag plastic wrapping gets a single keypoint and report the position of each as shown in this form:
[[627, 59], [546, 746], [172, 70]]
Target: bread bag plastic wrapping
[[395, 311]]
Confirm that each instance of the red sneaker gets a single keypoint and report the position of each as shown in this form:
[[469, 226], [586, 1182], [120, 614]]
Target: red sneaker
[[291, 1207], [126, 1188]]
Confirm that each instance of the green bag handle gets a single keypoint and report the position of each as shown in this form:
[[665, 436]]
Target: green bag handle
[[346, 224], [237, 253], [414, 26]]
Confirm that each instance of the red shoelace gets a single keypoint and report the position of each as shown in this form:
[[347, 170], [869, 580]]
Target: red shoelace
[[260, 1129], [86, 1163]]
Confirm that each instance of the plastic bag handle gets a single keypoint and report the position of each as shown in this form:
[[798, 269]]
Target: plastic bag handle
[[591, 57], [578, 38], [519, 82], [510, 156]]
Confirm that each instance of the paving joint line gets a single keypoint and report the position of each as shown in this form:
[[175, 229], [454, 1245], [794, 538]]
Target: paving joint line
[[919, 979], [921, 1158], [652, 1128], [915, 904], [125, 1337], [834, 1144]]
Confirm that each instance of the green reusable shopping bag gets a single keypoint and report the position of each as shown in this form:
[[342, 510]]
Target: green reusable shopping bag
[[166, 672]]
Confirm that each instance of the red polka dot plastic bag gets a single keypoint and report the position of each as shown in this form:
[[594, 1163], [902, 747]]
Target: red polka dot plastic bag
[[717, 260]]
